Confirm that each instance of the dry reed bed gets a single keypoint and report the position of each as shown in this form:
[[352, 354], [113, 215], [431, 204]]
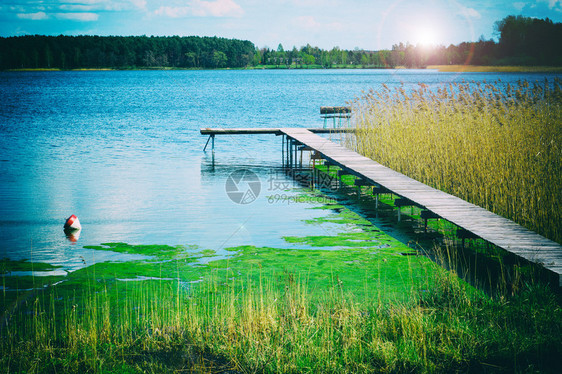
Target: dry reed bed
[[493, 144]]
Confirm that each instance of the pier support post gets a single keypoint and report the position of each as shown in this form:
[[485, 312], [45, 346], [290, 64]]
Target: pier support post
[[211, 138], [283, 151], [296, 148], [314, 174], [289, 153], [292, 159]]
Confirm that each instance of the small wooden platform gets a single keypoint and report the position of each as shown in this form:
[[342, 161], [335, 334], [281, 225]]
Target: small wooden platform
[[491, 227], [275, 131], [260, 131]]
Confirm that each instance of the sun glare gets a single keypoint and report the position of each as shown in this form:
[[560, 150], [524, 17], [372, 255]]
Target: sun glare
[[425, 36]]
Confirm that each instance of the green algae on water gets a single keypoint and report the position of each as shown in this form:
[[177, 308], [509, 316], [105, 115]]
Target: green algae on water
[[143, 249], [350, 239], [7, 266]]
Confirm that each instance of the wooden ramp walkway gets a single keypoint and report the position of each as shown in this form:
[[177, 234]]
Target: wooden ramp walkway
[[495, 229]]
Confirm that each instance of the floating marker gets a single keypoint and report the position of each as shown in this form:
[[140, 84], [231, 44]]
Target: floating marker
[[72, 223]]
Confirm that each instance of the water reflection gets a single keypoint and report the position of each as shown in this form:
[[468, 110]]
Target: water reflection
[[72, 234]]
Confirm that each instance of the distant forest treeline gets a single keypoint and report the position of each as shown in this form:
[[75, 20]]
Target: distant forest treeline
[[75, 52], [522, 41]]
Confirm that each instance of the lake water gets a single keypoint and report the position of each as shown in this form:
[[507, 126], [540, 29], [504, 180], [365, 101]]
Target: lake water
[[122, 151]]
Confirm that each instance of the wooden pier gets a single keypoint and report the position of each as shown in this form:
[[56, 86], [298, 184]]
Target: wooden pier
[[472, 219], [259, 131]]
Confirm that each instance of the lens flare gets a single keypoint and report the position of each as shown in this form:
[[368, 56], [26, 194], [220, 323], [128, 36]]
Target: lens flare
[[425, 36]]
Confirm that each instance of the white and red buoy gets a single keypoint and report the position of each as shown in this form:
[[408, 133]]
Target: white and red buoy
[[72, 223]]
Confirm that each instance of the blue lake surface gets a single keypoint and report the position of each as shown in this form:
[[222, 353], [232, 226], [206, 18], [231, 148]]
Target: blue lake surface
[[122, 151]]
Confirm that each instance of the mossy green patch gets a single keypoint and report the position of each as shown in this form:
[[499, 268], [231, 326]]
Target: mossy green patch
[[95, 275], [360, 265], [207, 253], [351, 239], [342, 216], [7, 266], [358, 270], [147, 250]]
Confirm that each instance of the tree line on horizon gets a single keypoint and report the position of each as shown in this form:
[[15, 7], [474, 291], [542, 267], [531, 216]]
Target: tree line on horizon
[[522, 41], [123, 52]]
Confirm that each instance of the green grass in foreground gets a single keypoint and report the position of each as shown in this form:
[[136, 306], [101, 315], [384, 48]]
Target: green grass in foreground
[[347, 302], [259, 323]]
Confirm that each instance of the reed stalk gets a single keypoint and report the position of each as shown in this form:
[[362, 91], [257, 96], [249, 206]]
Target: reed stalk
[[493, 144]]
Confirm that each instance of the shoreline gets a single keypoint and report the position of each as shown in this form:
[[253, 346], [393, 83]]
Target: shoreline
[[495, 69], [439, 68]]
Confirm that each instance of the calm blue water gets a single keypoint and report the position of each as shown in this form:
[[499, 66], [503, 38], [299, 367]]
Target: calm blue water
[[122, 151]]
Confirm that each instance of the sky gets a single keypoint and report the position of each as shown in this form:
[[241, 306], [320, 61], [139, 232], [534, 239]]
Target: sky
[[347, 24]]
